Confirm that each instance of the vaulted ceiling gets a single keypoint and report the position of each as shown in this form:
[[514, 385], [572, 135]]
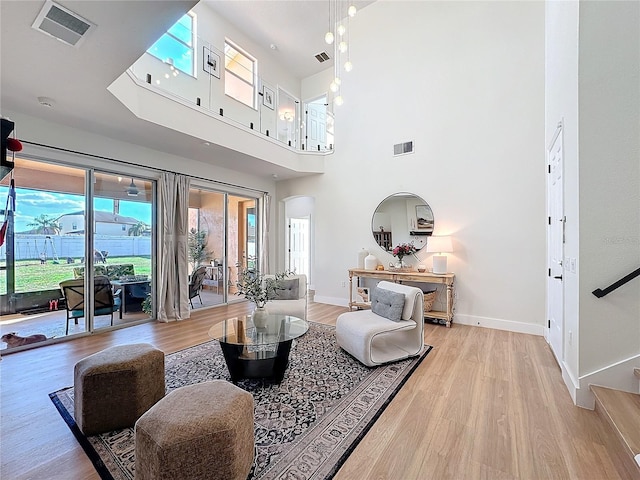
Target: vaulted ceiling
[[76, 78]]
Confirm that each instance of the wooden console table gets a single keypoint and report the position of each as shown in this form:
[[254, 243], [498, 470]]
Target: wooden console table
[[402, 277]]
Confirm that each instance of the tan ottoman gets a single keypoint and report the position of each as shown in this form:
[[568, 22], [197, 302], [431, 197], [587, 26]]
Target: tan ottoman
[[112, 388], [201, 431]]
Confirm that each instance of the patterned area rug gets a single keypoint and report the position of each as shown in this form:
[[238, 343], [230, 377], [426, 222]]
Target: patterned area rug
[[305, 427]]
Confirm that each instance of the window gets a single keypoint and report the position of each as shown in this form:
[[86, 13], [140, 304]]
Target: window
[[240, 74], [176, 46]]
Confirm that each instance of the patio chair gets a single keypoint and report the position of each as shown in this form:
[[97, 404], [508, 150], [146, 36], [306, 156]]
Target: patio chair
[[195, 284], [106, 302]]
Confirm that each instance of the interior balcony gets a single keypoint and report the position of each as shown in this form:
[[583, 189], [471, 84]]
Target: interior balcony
[[268, 139]]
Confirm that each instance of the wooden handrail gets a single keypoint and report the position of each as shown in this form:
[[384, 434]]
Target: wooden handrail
[[602, 292]]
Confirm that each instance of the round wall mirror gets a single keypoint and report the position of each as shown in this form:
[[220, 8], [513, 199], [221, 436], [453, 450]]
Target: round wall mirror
[[402, 218]]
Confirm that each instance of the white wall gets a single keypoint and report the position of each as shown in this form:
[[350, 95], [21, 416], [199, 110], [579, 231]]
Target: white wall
[[465, 82], [609, 193], [561, 104]]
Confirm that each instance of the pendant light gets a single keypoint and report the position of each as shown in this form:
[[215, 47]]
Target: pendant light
[[132, 191]]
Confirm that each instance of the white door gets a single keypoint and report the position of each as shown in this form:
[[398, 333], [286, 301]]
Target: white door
[[299, 245], [316, 126], [555, 290]]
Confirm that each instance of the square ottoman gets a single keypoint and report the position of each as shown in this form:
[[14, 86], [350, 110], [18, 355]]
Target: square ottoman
[[201, 431], [114, 387]]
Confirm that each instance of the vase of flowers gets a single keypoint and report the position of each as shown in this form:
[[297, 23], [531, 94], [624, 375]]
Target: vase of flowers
[[402, 251], [253, 286]]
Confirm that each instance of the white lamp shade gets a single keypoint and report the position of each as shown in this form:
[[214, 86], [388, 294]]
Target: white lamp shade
[[439, 244]]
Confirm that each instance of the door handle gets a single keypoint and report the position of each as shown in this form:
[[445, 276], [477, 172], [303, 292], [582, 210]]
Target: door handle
[[558, 277]]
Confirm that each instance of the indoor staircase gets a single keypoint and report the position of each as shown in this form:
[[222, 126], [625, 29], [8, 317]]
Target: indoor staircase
[[621, 410]]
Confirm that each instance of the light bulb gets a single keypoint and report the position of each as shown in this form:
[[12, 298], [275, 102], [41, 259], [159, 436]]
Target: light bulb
[[348, 66], [338, 100], [328, 38], [341, 30], [342, 46], [333, 87], [337, 81], [352, 10], [166, 75]]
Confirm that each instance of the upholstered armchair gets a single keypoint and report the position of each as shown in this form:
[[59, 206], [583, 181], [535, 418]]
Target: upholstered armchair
[[392, 330], [292, 297]]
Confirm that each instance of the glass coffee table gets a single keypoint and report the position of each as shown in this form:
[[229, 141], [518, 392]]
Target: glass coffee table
[[258, 350]]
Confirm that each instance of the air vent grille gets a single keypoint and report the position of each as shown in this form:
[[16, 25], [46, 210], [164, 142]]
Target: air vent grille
[[322, 57], [62, 23], [402, 148]]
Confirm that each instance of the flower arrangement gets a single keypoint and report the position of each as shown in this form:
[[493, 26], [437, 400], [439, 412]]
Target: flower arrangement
[[403, 250], [254, 287]]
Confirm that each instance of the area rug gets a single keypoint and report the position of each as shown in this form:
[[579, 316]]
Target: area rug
[[305, 427]]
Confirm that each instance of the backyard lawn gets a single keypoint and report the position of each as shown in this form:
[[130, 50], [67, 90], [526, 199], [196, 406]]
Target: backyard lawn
[[31, 276]]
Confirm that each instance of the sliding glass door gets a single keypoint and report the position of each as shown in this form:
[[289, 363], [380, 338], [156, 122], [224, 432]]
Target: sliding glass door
[[222, 238], [207, 246], [79, 257], [122, 243], [241, 231]]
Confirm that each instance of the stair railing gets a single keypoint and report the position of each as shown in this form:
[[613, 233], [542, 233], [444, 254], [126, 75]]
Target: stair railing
[[602, 292]]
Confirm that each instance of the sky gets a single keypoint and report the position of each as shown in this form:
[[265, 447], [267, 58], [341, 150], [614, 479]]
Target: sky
[[33, 203]]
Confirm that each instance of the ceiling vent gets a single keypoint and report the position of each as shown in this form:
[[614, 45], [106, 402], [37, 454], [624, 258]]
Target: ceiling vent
[[322, 57], [402, 148], [61, 23]]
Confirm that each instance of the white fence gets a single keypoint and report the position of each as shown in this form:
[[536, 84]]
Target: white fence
[[30, 246]]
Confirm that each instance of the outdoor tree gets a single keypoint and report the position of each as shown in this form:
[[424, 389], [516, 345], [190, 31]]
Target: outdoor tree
[[138, 229], [45, 225], [197, 244]]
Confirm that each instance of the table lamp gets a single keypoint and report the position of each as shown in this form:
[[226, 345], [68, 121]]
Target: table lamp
[[439, 245]]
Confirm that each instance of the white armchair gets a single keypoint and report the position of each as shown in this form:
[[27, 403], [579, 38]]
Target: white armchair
[[293, 299], [374, 339]]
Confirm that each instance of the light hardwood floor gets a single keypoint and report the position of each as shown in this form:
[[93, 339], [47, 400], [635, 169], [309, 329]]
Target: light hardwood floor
[[485, 404]]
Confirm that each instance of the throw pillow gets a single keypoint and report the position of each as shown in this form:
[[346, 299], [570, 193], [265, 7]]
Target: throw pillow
[[288, 290], [387, 304]]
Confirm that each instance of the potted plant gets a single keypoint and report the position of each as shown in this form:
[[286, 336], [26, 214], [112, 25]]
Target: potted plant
[[253, 286], [197, 245]]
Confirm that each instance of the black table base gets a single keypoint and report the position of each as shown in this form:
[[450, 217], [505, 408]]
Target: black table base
[[262, 363]]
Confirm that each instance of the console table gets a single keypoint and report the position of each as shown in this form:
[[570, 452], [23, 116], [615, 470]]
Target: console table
[[401, 277]]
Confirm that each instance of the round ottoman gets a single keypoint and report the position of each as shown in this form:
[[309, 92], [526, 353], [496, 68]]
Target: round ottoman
[[113, 387], [201, 431]]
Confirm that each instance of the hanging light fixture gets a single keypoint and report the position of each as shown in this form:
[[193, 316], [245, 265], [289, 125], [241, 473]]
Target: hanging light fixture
[[338, 36], [132, 191], [328, 37]]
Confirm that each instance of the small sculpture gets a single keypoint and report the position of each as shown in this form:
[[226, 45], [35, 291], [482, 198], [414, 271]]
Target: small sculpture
[[364, 293]]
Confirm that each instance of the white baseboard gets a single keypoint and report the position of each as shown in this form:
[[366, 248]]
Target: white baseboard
[[619, 376], [337, 301], [573, 385], [499, 324], [474, 321]]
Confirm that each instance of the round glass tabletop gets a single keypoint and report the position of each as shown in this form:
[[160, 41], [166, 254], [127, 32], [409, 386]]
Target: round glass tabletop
[[267, 330]]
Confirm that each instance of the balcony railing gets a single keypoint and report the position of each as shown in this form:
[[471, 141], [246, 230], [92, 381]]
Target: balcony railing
[[272, 112]]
